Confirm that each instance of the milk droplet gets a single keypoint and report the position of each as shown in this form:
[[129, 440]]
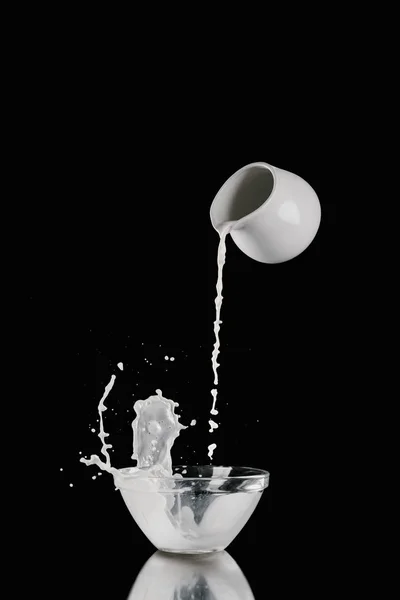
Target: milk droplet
[[211, 449], [213, 425], [214, 395], [94, 477], [172, 358], [61, 469], [80, 452], [193, 422], [93, 430], [184, 471], [166, 357], [71, 485], [120, 365]]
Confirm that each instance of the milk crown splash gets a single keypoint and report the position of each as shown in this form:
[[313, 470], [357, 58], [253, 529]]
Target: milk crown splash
[[155, 429]]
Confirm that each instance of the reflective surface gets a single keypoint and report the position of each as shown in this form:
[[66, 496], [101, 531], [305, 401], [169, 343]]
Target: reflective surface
[[210, 577]]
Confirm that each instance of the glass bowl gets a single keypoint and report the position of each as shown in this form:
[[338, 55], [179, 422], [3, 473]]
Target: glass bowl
[[199, 509]]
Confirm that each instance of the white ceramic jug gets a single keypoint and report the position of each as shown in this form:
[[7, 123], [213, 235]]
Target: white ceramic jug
[[276, 213]]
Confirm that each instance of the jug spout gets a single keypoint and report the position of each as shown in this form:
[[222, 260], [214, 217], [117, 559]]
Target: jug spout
[[243, 193], [274, 214]]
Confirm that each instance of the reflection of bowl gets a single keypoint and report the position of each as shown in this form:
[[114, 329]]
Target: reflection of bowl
[[210, 577], [201, 510]]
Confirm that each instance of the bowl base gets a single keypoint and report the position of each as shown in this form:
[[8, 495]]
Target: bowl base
[[169, 551]]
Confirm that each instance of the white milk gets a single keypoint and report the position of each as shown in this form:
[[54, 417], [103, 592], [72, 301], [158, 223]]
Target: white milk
[[223, 231], [211, 449], [154, 431], [94, 459], [213, 425], [165, 506], [172, 526]]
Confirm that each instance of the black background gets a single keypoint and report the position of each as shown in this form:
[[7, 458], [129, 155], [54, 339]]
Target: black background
[[133, 277]]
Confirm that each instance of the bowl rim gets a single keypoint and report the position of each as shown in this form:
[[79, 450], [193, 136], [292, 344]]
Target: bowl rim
[[259, 473]]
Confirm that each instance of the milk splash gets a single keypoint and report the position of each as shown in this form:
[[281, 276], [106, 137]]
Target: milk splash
[[94, 459], [154, 431], [176, 513]]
